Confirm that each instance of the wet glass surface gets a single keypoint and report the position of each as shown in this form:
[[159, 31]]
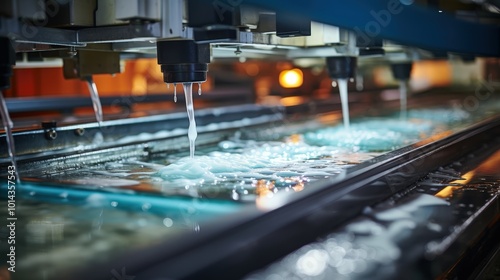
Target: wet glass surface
[[242, 169], [96, 212], [58, 230]]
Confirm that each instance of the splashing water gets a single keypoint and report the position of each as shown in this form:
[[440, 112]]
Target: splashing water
[[8, 125], [403, 95], [441, 115], [175, 93], [242, 164], [371, 135], [199, 88], [345, 101], [96, 102], [192, 133]]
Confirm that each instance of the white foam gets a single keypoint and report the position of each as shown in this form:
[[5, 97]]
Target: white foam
[[365, 227], [286, 164]]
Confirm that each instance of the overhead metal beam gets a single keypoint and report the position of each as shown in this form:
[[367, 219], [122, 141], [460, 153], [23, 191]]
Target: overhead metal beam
[[411, 25]]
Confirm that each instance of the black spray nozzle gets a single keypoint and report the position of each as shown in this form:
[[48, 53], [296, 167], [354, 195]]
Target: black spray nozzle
[[183, 61], [402, 70], [341, 67]]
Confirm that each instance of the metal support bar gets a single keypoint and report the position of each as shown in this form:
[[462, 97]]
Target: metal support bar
[[47, 35], [171, 14], [406, 24], [131, 32]]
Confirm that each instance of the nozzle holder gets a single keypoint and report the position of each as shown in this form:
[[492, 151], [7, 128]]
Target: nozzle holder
[[401, 70], [182, 73], [7, 60], [341, 67], [183, 61]]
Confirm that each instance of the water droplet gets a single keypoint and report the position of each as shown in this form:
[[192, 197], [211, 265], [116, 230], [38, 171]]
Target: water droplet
[[168, 222], [199, 88], [146, 206], [313, 263], [197, 228], [114, 203], [235, 196]]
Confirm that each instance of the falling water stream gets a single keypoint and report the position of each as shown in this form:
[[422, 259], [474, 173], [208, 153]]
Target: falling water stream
[[7, 124], [345, 101], [403, 93], [96, 102], [192, 133], [175, 93]]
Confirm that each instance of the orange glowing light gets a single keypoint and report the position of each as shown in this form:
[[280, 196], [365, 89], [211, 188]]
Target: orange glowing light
[[433, 138], [292, 100], [252, 69], [291, 78], [490, 166], [454, 185], [329, 118], [264, 188], [432, 72], [268, 198], [487, 168], [294, 138], [298, 187]]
